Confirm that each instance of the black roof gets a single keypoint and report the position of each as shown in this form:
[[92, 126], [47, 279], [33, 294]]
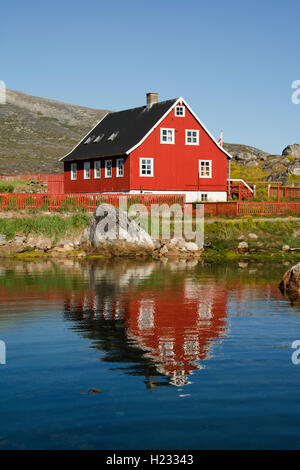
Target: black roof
[[130, 126]]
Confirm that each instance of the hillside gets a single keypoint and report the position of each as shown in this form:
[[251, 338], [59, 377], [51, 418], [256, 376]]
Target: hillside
[[36, 132]]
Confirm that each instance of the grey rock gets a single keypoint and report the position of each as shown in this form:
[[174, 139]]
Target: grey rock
[[285, 248], [253, 236], [2, 239], [293, 150], [110, 225], [242, 246], [191, 246]]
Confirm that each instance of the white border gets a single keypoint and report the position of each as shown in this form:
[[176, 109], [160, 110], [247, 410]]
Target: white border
[[179, 115], [95, 171], [167, 129], [73, 179], [85, 164], [105, 175], [191, 130], [117, 167], [152, 167], [210, 168]]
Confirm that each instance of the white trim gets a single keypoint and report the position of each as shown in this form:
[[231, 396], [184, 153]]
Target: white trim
[[179, 115], [77, 145], [95, 170], [152, 167], [197, 135], [117, 167], [191, 196], [74, 164], [161, 135], [210, 169], [179, 100], [86, 170], [106, 168]]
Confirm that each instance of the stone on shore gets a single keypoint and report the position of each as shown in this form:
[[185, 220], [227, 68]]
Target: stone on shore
[[290, 283], [110, 227]]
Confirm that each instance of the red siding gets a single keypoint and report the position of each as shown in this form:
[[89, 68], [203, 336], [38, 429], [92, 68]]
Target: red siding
[[176, 165], [93, 185]]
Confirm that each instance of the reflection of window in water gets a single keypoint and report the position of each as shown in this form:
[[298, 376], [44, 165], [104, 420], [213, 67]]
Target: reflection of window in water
[[166, 348], [179, 378], [191, 347], [107, 307], [204, 310], [146, 314]]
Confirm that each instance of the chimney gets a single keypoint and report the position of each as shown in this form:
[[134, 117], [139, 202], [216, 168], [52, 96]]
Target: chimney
[[152, 98]]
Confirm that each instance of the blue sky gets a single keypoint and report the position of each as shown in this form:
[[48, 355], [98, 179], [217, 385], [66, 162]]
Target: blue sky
[[233, 61]]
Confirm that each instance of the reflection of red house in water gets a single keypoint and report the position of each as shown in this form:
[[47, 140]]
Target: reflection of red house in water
[[177, 326]]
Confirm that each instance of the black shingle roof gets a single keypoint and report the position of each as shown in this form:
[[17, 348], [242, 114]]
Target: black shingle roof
[[131, 126]]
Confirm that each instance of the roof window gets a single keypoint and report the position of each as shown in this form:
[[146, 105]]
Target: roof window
[[113, 135]]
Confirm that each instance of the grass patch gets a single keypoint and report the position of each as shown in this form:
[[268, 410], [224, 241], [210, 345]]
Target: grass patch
[[49, 226]]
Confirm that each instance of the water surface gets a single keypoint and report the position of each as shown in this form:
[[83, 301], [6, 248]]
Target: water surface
[[186, 356]]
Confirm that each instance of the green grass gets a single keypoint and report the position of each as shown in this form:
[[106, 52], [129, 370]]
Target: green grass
[[50, 226], [222, 239]]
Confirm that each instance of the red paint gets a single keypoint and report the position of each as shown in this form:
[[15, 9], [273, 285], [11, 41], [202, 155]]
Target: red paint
[[176, 166]]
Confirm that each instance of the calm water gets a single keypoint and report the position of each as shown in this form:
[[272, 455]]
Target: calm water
[[186, 356]]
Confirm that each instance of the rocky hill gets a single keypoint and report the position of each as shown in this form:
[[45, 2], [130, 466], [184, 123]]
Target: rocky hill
[[36, 132], [253, 164]]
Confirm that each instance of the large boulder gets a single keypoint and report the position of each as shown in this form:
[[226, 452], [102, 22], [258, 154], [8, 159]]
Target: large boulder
[[292, 150], [290, 283], [111, 227]]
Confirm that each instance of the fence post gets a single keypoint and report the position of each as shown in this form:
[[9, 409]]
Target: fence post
[[278, 192], [237, 209], [49, 202]]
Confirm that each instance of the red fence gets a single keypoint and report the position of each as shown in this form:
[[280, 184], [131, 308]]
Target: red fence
[[82, 201], [251, 208], [285, 192], [268, 208], [91, 201], [55, 183]]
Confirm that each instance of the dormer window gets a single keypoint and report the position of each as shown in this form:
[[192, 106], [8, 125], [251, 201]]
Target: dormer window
[[113, 135], [98, 139], [180, 111], [89, 139]]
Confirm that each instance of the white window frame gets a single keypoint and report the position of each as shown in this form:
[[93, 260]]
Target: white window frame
[[186, 137], [210, 169], [86, 170], [183, 109], [120, 161], [152, 167], [107, 167], [96, 176], [161, 135], [73, 171]]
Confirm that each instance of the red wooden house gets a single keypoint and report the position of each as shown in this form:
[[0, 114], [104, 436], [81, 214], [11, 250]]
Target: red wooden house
[[159, 148]]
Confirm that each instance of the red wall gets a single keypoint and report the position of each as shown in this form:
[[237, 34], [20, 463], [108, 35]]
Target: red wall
[[93, 185], [176, 165]]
